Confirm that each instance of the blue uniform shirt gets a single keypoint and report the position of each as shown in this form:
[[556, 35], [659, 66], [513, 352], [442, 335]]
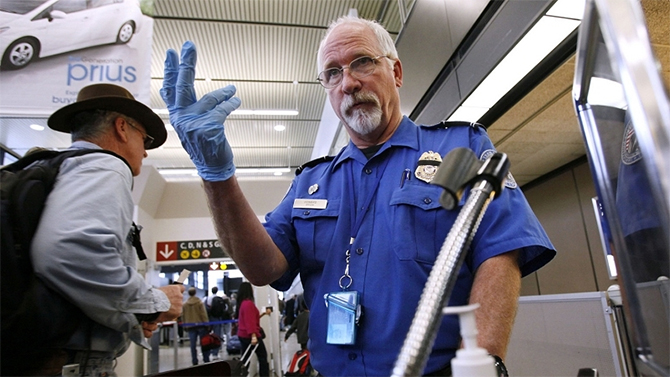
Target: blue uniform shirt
[[395, 247]]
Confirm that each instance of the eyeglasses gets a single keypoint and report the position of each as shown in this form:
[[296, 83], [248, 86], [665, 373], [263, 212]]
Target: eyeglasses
[[148, 140], [358, 68]]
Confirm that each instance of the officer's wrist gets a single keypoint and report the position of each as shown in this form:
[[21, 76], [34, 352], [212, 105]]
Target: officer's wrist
[[216, 174]]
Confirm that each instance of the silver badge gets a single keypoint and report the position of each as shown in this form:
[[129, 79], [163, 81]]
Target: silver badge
[[427, 166], [313, 188]]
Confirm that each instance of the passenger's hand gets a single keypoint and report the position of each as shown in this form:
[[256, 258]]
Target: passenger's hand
[[148, 328], [199, 124], [175, 293]]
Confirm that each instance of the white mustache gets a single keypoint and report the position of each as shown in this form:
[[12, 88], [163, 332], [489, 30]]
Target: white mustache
[[356, 98]]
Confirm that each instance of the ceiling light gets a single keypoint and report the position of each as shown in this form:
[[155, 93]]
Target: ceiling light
[[242, 171], [265, 112], [262, 171], [538, 42], [277, 112], [468, 112], [169, 171], [37, 127], [280, 127], [606, 92], [568, 9]]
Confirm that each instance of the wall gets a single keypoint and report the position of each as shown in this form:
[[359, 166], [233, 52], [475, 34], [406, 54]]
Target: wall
[[562, 203]]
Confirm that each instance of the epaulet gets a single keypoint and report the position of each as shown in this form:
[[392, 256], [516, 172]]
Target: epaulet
[[445, 124], [313, 163]]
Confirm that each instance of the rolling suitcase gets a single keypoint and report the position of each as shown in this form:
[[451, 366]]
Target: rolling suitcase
[[240, 367]]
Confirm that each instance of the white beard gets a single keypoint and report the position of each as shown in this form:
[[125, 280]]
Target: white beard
[[361, 121]]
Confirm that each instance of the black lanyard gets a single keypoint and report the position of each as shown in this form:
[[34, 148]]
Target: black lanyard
[[356, 217]]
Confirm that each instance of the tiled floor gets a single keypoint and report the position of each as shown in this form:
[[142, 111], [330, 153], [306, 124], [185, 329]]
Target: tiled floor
[[167, 355]]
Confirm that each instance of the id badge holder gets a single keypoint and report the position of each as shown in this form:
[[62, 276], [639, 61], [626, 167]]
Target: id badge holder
[[344, 311]]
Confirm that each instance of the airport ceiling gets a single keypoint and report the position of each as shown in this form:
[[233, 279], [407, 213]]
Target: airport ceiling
[[267, 49]]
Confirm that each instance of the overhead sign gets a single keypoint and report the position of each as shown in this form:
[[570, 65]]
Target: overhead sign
[[189, 250], [221, 266]]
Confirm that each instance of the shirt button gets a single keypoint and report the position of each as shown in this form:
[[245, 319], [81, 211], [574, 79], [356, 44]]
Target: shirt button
[[368, 171], [352, 356], [427, 200], [306, 213], [359, 251]]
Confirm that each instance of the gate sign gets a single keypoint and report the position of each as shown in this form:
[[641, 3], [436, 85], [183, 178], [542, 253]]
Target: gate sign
[[189, 250]]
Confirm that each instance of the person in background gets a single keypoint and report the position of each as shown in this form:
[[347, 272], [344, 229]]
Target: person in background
[[193, 314], [86, 245], [214, 317], [289, 311], [249, 327], [281, 305], [300, 325], [366, 221], [227, 316]]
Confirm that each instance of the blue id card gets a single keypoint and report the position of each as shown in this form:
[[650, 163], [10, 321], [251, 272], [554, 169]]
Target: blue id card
[[344, 312]]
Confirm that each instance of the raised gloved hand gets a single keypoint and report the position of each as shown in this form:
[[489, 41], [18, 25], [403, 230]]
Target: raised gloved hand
[[199, 124]]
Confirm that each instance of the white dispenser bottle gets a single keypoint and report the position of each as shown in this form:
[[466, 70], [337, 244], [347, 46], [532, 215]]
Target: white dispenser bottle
[[471, 360]]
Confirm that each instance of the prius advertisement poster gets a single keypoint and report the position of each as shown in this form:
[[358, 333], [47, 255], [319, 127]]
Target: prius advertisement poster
[[53, 48]]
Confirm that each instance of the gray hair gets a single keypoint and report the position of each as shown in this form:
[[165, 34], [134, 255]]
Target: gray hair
[[384, 39], [91, 125]]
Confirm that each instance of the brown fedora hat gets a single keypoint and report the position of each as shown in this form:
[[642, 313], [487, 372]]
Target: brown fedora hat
[[114, 98]]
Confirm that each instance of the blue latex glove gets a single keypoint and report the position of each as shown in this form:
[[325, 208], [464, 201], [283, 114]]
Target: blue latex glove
[[199, 124]]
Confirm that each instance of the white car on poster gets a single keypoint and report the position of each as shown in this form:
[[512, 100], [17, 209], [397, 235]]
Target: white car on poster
[[38, 28]]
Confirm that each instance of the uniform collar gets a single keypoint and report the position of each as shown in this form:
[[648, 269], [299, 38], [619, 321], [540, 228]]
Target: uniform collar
[[406, 135]]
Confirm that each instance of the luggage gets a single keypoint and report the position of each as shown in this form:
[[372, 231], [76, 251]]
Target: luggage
[[234, 347], [240, 367], [300, 364], [210, 341], [237, 369]]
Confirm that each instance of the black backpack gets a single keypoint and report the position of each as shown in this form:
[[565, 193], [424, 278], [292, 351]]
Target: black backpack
[[36, 321], [218, 308]]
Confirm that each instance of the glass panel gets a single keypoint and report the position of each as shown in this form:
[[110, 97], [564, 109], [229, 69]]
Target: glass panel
[[624, 113]]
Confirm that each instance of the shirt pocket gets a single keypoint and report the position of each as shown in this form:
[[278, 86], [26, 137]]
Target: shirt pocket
[[419, 222], [314, 230]]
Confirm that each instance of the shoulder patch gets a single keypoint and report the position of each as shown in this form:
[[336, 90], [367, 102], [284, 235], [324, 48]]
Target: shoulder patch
[[510, 182], [630, 148], [313, 163]]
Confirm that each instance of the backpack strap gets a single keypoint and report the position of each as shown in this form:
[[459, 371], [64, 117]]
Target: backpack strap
[[60, 156]]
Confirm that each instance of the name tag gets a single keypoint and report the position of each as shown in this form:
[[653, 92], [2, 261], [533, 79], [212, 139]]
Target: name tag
[[310, 203]]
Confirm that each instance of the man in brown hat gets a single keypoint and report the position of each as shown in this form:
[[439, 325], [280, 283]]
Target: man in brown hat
[[83, 247]]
